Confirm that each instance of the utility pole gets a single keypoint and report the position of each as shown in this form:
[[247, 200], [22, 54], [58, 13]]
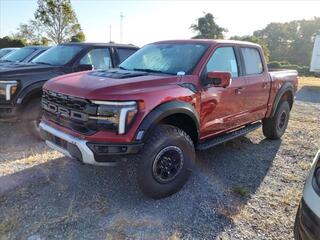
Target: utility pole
[[110, 33], [121, 30]]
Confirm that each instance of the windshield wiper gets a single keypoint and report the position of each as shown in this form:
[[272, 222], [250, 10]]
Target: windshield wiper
[[148, 70], [43, 63], [122, 68]]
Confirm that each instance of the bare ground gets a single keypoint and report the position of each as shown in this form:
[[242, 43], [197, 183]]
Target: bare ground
[[248, 188]]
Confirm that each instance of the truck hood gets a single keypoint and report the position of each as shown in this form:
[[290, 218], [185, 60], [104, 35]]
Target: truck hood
[[110, 85], [16, 69]]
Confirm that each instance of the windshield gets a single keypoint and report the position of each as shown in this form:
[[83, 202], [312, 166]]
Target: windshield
[[58, 55], [19, 55], [169, 58], [4, 52]]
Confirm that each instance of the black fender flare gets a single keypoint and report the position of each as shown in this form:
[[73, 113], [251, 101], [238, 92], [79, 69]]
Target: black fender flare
[[285, 88], [30, 90], [165, 110]]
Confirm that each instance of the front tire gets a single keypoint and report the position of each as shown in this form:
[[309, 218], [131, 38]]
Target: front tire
[[274, 127], [32, 116], [166, 161]]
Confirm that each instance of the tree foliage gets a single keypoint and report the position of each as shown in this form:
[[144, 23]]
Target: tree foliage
[[31, 34], [291, 41], [257, 40], [11, 42], [302, 70], [57, 19], [79, 37], [207, 28]]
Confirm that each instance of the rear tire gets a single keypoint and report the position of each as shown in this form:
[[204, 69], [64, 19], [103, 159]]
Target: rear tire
[[166, 162], [274, 127]]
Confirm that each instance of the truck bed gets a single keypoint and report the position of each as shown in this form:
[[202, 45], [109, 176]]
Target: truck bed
[[283, 74]]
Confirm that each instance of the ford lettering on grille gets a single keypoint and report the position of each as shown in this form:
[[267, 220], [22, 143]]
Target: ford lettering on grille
[[64, 112]]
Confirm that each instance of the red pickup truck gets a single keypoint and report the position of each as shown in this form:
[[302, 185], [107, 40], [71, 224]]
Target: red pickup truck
[[163, 103]]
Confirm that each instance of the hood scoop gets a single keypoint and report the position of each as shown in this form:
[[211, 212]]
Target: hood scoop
[[117, 73]]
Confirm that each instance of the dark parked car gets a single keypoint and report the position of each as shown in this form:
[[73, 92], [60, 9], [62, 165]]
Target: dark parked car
[[5, 51], [24, 55], [21, 84], [307, 225]]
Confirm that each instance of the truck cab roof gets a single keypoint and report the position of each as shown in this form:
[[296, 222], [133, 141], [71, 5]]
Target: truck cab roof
[[89, 44], [37, 47], [209, 42]]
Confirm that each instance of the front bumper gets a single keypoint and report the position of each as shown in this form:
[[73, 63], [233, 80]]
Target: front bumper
[[8, 113], [83, 150], [307, 223], [308, 217]]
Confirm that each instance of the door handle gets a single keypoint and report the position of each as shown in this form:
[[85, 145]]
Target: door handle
[[264, 85], [239, 90]]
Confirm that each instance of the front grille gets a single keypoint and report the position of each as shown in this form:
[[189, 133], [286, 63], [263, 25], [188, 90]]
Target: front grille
[[65, 101], [69, 112]]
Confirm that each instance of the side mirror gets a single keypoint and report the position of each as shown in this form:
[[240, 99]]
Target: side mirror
[[84, 67], [218, 79]]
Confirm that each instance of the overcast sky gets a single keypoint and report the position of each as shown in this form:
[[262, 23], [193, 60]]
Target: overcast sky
[[148, 21]]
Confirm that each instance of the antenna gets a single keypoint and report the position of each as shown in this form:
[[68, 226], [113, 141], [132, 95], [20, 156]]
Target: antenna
[[121, 25]]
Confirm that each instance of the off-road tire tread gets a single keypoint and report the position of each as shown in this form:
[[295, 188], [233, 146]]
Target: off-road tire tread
[[269, 126], [160, 132]]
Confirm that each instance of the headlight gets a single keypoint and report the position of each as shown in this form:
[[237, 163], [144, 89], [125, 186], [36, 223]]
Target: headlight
[[8, 89], [116, 115]]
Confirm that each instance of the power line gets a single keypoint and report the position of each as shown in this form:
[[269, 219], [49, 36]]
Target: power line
[[121, 25]]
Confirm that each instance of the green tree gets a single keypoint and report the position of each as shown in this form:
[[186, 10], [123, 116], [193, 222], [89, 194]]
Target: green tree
[[291, 41], [257, 40], [57, 19], [79, 37], [30, 33], [207, 28], [45, 41], [11, 42]]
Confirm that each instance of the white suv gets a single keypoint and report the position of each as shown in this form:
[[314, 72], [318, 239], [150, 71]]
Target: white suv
[[307, 225]]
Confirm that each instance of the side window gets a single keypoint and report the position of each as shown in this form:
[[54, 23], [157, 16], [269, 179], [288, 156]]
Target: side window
[[252, 61], [223, 60], [99, 58], [37, 54], [124, 53]]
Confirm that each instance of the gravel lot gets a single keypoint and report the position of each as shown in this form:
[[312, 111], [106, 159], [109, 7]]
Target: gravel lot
[[248, 188]]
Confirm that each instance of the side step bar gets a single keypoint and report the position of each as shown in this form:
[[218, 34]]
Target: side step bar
[[228, 136]]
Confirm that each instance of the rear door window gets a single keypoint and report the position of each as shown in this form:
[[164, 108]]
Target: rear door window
[[252, 61]]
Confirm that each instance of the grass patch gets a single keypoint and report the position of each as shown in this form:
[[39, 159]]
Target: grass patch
[[309, 81], [7, 226], [290, 197], [242, 191], [290, 177], [175, 236], [304, 165]]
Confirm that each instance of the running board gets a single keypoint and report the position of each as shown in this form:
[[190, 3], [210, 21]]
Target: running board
[[228, 136]]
